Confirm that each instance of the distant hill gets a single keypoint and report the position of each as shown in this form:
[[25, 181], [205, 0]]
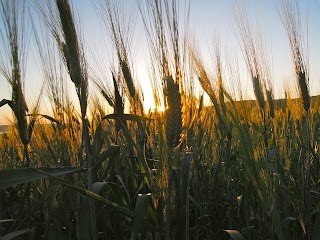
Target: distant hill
[[279, 103]]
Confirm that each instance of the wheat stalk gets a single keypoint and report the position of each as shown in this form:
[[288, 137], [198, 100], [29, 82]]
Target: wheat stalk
[[14, 35], [290, 17], [173, 113], [270, 101], [252, 54]]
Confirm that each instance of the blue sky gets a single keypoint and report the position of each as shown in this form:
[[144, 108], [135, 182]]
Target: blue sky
[[206, 18]]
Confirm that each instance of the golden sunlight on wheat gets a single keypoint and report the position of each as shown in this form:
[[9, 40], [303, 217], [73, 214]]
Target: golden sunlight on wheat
[[132, 120]]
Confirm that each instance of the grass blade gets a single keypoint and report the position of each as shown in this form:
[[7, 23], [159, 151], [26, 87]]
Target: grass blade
[[12, 177], [123, 210], [16, 234]]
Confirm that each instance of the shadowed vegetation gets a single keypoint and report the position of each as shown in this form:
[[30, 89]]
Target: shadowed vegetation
[[99, 166]]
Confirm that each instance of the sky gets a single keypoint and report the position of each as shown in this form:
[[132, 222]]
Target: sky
[[207, 18]]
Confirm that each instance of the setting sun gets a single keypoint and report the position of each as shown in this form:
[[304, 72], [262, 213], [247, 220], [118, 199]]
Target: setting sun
[[159, 119]]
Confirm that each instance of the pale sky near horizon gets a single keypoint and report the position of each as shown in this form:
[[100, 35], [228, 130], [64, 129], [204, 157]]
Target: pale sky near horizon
[[207, 17]]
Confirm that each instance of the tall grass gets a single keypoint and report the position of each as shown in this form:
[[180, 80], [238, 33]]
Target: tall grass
[[13, 67], [290, 16], [245, 169]]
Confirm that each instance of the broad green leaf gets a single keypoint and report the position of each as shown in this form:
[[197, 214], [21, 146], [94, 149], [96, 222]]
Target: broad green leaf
[[142, 204], [234, 234], [16, 234], [12, 177], [123, 210], [84, 214]]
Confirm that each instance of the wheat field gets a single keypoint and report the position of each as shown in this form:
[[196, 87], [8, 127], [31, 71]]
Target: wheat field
[[98, 165]]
